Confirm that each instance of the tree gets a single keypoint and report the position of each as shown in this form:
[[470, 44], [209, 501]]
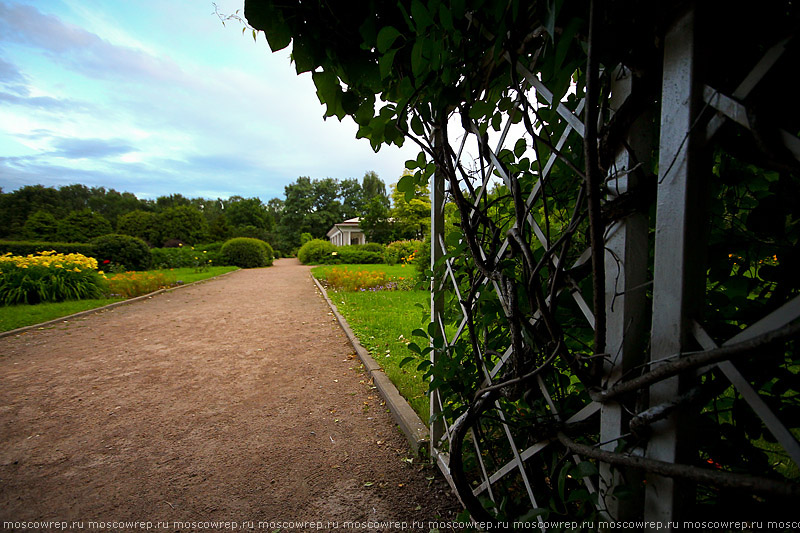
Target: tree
[[141, 224], [376, 221], [248, 212], [183, 222], [372, 186], [311, 206], [412, 217], [352, 198], [327, 209], [17, 206], [83, 226], [173, 200], [41, 225]]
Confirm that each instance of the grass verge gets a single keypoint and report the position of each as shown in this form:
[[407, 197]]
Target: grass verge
[[383, 322], [19, 316]]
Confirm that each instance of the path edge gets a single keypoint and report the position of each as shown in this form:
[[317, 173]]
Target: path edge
[[407, 419], [79, 314]]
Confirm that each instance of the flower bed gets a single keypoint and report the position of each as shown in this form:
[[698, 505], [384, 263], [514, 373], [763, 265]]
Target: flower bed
[[49, 277]]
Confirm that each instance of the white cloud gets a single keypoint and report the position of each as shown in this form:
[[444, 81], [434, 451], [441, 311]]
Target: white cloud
[[141, 109]]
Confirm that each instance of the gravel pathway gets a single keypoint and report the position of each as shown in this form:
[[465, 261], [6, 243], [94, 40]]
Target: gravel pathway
[[234, 400]]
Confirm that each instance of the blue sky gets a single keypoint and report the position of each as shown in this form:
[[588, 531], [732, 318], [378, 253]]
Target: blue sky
[[156, 98]]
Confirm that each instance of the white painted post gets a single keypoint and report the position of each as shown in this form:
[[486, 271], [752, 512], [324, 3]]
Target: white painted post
[[679, 280], [626, 261]]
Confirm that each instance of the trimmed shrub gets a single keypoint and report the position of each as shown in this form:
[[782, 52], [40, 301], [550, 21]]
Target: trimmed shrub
[[32, 247], [373, 247], [48, 277], [199, 257], [130, 253], [402, 251], [245, 252], [317, 251], [353, 256]]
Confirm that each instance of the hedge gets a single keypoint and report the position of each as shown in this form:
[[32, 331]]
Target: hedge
[[24, 248]]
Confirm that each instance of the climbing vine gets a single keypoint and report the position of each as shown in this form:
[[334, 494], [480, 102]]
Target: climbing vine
[[522, 352]]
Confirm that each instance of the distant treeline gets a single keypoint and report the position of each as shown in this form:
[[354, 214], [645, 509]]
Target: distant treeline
[[77, 213]]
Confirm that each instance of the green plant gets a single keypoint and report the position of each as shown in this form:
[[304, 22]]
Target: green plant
[[401, 251], [130, 253], [132, 284], [83, 226], [245, 252], [316, 251], [48, 277], [355, 280], [23, 248], [354, 255], [198, 257]]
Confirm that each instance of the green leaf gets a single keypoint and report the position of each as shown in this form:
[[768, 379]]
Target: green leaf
[[303, 57], [418, 63], [264, 17], [584, 469], [386, 62], [520, 147], [414, 347], [405, 361], [386, 38], [328, 88], [419, 333], [422, 18], [416, 125], [406, 184], [350, 102], [446, 18]]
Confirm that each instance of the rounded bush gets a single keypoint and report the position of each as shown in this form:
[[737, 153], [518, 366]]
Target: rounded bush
[[317, 251], [131, 253], [246, 252], [401, 251], [373, 247]]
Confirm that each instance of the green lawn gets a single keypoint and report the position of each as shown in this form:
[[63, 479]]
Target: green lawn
[[190, 275], [18, 316], [383, 322]]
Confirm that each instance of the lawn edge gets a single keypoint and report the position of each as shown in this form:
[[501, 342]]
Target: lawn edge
[[409, 421], [66, 318]]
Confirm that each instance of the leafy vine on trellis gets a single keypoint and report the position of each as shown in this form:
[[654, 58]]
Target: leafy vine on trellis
[[410, 70]]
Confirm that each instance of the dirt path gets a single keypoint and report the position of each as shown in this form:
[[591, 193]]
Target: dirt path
[[238, 399]]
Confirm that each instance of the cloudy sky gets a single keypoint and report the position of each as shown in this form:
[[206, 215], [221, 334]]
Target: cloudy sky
[[155, 97]]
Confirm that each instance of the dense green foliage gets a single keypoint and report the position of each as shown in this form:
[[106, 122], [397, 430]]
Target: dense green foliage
[[322, 252], [246, 252], [414, 69], [316, 251], [402, 252], [82, 226], [27, 248], [76, 213], [313, 206], [200, 256], [48, 277], [129, 253]]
